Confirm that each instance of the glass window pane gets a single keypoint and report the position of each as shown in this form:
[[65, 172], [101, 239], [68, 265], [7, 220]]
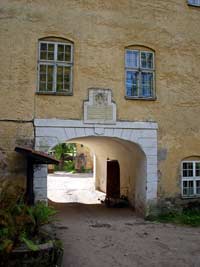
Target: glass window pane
[[66, 86], [190, 173], [147, 84], [67, 71], [132, 59], [150, 61], [50, 69], [185, 166], [42, 86], [185, 191], [59, 79], [50, 56], [59, 85], [132, 83], [50, 86], [61, 52], [43, 55], [191, 188], [198, 187], [50, 47], [147, 60], [50, 73], [42, 68], [61, 56], [185, 188], [188, 169], [43, 77], [184, 183], [143, 60], [184, 173], [60, 70], [43, 51], [197, 165], [50, 78], [60, 48], [67, 78], [67, 53], [188, 188], [43, 46]]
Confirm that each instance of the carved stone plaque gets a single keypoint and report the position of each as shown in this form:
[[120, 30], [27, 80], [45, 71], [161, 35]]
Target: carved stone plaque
[[100, 108]]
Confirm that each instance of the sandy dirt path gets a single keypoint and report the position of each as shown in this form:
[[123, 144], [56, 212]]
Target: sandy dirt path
[[95, 236]]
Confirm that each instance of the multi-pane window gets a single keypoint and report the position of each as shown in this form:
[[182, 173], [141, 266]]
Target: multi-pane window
[[194, 2], [55, 67], [140, 74], [190, 178]]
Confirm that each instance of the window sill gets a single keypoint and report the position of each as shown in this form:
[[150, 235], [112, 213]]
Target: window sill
[[193, 5], [55, 93], [141, 98]]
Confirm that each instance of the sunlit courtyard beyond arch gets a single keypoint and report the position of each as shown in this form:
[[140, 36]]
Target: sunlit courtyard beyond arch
[[66, 187]]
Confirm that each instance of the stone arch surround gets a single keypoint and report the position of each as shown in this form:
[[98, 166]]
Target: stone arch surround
[[50, 132]]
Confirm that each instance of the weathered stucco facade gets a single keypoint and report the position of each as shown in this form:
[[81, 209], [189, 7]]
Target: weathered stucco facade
[[100, 31]]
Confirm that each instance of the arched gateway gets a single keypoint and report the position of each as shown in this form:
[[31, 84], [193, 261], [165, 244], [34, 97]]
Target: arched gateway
[[134, 144]]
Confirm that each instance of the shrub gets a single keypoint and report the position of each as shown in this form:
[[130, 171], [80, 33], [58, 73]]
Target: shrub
[[20, 223]]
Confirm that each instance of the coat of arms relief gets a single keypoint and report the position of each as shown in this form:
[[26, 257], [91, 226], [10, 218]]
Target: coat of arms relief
[[100, 108]]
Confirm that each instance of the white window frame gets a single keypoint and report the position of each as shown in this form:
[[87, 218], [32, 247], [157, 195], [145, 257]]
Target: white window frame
[[139, 69], [193, 178], [194, 3], [55, 63]]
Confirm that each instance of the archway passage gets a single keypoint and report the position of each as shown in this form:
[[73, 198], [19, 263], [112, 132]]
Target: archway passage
[[132, 161], [133, 144], [132, 171], [72, 181]]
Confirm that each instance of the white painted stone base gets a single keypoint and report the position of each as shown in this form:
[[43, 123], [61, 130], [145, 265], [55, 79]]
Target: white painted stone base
[[40, 182]]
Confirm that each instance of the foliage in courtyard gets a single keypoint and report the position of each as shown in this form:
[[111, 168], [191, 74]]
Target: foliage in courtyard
[[66, 154], [64, 149], [20, 223]]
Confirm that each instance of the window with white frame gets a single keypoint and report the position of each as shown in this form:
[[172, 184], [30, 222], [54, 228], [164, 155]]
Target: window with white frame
[[194, 2], [140, 74], [190, 178], [55, 67]]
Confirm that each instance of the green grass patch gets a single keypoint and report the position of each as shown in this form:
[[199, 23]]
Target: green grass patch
[[186, 217]]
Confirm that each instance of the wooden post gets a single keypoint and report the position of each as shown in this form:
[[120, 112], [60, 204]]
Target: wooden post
[[29, 182]]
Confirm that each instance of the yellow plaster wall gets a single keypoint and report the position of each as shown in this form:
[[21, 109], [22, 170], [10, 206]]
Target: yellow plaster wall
[[12, 164], [81, 149], [101, 30]]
